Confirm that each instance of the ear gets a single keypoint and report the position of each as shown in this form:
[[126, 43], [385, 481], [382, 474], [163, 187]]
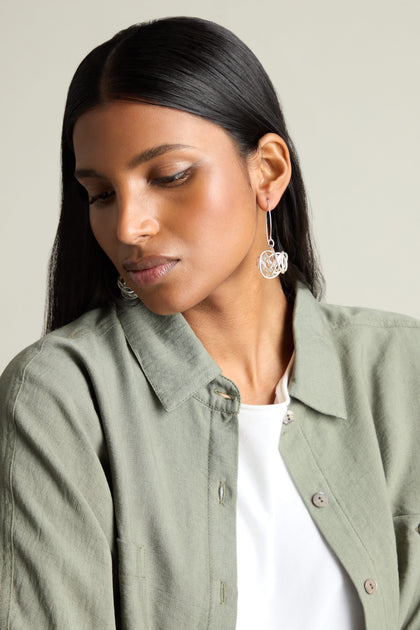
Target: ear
[[270, 170]]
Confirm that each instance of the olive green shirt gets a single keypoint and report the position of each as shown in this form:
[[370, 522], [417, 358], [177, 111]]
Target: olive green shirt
[[117, 431]]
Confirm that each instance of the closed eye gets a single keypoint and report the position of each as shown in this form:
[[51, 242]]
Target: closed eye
[[173, 180], [102, 197], [167, 180]]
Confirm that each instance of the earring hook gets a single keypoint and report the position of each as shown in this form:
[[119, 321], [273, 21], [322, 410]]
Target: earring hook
[[269, 226]]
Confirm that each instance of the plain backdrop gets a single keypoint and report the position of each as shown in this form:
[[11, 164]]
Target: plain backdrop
[[347, 74]]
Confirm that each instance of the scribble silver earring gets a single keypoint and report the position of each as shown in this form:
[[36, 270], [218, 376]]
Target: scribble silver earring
[[126, 292], [271, 263]]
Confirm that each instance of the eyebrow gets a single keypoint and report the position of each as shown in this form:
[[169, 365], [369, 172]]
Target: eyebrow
[[142, 157]]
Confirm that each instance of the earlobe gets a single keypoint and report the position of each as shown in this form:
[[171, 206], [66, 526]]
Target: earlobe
[[273, 170]]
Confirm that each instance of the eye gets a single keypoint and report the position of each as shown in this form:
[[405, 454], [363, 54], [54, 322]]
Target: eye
[[102, 198], [173, 180]]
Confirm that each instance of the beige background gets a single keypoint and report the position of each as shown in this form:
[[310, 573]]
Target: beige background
[[347, 74]]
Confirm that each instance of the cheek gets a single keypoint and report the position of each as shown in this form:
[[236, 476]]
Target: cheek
[[221, 206]]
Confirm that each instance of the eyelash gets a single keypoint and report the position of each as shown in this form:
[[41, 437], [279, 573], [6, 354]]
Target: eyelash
[[101, 197], [176, 179], [170, 180]]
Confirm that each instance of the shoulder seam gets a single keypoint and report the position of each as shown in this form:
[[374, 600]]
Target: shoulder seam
[[385, 324]]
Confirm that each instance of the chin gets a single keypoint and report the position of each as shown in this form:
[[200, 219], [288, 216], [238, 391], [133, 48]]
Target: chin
[[163, 307], [170, 302]]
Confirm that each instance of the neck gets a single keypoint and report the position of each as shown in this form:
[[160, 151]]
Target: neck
[[249, 336]]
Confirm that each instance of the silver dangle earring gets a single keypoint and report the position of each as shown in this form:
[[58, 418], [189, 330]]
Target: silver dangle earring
[[271, 263], [126, 292]]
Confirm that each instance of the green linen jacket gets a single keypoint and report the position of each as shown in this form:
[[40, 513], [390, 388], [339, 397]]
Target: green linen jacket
[[118, 434]]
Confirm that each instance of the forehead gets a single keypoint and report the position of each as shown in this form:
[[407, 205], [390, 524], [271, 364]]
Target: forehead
[[124, 126]]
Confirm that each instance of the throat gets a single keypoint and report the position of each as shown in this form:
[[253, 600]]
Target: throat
[[256, 365], [251, 342], [259, 388]]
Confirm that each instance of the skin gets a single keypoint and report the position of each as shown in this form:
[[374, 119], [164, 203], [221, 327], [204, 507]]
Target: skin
[[195, 215]]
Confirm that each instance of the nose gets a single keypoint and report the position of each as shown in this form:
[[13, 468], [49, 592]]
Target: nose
[[135, 223]]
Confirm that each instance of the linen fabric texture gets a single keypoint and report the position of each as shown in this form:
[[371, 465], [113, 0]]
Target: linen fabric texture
[[117, 431]]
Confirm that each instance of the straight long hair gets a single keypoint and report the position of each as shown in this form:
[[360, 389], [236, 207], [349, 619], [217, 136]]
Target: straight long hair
[[195, 66]]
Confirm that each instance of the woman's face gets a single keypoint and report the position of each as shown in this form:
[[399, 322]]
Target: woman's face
[[172, 203]]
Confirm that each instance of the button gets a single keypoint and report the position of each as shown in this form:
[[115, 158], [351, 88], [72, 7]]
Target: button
[[289, 417], [320, 499], [370, 586]]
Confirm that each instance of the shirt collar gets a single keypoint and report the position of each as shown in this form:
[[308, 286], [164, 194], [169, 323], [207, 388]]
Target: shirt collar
[[177, 365], [174, 361], [317, 378]]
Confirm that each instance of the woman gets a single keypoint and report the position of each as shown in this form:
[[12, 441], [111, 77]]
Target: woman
[[142, 481]]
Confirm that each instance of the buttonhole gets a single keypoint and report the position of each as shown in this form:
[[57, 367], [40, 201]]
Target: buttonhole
[[223, 394], [222, 592], [222, 489]]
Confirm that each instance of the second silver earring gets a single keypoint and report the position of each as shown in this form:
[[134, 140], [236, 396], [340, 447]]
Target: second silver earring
[[126, 292]]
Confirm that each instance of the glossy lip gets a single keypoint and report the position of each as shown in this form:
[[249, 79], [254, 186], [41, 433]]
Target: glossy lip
[[149, 270]]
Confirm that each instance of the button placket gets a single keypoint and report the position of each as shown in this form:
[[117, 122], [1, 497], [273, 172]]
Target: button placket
[[222, 470]]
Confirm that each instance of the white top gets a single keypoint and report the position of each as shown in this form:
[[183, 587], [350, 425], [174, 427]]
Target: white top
[[288, 577]]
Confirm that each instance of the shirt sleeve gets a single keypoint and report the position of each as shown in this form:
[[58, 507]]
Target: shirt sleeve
[[56, 512]]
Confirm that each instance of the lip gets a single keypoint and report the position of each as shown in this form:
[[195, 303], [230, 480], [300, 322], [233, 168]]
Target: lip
[[149, 270]]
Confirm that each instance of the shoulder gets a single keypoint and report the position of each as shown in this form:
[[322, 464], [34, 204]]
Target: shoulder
[[355, 332], [79, 337], [345, 354], [62, 363], [378, 334]]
